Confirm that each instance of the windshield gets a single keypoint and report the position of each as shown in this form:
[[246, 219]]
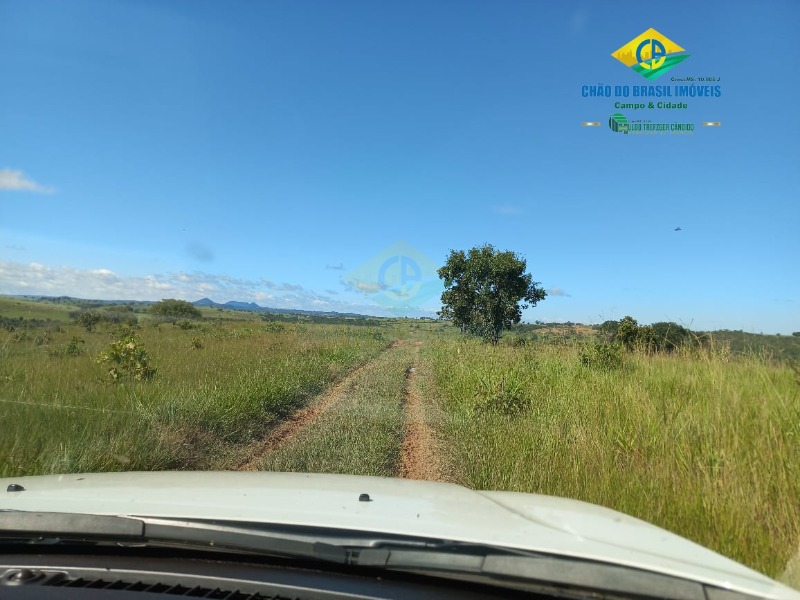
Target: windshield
[[543, 247]]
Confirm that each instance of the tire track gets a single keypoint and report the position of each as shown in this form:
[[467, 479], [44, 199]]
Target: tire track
[[301, 418], [418, 456]]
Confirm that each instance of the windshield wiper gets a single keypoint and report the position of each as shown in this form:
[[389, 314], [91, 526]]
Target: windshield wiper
[[530, 571], [561, 575], [53, 527], [56, 524]]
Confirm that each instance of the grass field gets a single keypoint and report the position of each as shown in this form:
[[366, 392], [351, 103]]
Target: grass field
[[702, 443], [217, 387]]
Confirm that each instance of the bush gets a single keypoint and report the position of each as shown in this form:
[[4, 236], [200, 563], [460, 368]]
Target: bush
[[627, 333], [10, 324], [196, 344], [128, 359], [668, 337], [120, 315], [604, 356], [88, 319], [659, 337], [175, 309], [609, 330], [645, 339], [75, 346], [519, 341]]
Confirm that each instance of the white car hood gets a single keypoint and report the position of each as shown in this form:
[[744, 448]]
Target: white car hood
[[397, 506]]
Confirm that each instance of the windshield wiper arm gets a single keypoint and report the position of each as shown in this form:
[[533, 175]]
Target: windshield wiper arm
[[53, 524], [216, 536], [38, 527], [546, 572], [499, 566]]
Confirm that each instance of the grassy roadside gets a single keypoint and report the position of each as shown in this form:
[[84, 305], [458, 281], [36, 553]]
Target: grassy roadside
[[703, 445], [361, 434], [218, 386]]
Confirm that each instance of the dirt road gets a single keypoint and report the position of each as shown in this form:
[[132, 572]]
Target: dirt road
[[419, 458], [371, 422]]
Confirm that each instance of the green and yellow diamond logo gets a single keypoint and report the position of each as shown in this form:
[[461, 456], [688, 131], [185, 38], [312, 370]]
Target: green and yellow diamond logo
[[650, 54]]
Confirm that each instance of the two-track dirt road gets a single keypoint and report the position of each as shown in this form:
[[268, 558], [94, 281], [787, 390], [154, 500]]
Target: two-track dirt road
[[385, 388]]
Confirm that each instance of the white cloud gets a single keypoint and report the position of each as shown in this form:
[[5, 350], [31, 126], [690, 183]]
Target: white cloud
[[283, 287], [508, 209], [103, 273], [17, 182], [104, 284]]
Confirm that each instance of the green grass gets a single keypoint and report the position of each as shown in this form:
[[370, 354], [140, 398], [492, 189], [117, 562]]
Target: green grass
[[30, 309], [703, 445], [60, 413], [362, 433]]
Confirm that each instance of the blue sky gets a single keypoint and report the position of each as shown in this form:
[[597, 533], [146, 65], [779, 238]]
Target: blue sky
[[267, 151]]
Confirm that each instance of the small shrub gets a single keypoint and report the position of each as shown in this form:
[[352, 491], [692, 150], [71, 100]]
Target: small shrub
[[88, 319], [74, 347], [10, 324], [604, 356], [196, 344], [185, 324], [128, 359], [120, 315]]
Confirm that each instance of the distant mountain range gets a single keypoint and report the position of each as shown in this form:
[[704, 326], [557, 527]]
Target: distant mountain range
[[202, 303], [253, 307]]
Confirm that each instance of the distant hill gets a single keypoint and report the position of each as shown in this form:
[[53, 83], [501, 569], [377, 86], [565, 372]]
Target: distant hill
[[202, 303], [253, 307], [81, 302], [779, 346]]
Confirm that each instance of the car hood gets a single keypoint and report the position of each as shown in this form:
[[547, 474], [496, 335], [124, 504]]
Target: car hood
[[397, 506]]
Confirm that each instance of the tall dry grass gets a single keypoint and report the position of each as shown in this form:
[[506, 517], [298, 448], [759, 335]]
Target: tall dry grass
[[700, 443]]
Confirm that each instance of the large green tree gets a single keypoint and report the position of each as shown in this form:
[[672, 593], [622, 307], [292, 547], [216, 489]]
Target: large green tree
[[486, 290], [175, 309]]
